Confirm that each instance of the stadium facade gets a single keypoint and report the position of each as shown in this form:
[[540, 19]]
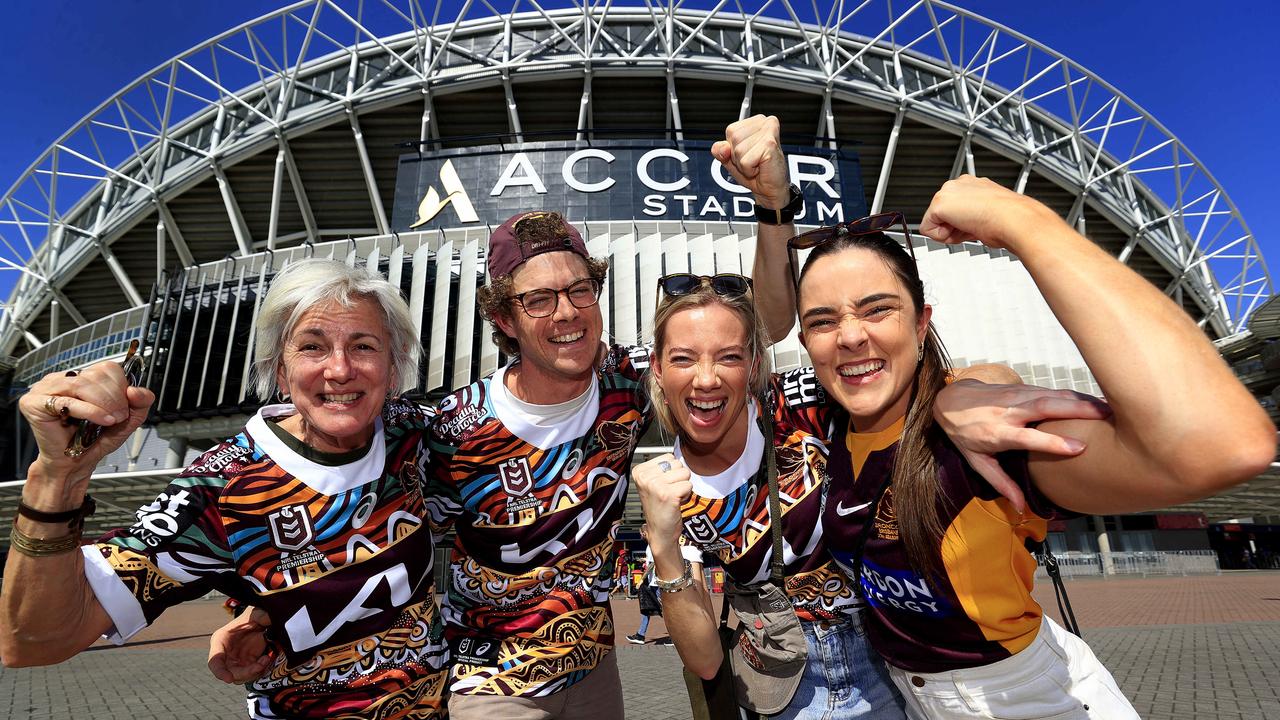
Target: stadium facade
[[397, 136]]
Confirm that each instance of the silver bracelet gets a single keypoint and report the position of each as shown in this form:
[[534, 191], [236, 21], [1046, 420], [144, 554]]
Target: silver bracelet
[[674, 586]]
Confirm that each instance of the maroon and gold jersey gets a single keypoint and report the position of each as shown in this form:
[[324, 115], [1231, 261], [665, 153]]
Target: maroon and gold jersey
[[535, 508], [339, 556], [977, 607], [728, 514]]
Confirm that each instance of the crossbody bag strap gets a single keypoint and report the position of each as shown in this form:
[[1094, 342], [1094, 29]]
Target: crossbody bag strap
[[777, 573]]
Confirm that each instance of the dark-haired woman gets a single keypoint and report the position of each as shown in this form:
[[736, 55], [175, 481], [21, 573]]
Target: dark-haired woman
[[940, 558]]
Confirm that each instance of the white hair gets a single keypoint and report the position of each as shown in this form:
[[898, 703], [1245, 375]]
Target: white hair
[[306, 284]]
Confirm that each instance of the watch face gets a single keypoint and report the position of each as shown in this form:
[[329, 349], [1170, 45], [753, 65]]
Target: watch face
[[797, 200]]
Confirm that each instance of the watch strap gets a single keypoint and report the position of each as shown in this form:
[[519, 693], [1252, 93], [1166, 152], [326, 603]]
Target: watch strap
[[73, 518], [784, 214]]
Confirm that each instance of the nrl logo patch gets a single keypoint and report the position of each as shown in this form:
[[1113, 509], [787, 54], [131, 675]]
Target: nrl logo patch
[[517, 479], [703, 533], [291, 528]]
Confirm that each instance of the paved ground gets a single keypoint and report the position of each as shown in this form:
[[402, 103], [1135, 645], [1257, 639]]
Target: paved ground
[[1195, 648]]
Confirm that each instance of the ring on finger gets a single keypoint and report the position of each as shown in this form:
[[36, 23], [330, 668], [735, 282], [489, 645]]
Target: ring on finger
[[664, 466], [50, 407]]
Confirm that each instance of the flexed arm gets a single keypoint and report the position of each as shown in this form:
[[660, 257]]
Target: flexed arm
[[1183, 426], [752, 153], [48, 611]]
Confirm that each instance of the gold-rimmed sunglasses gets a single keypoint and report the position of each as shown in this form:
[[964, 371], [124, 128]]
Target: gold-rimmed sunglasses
[[87, 433]]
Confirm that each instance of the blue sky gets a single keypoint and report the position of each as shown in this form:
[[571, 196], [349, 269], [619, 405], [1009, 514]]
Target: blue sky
[[1206, 71]]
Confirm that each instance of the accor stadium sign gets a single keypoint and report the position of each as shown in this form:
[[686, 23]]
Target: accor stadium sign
[[607, 180]]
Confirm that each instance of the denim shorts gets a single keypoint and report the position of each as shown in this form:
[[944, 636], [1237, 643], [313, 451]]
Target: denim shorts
[[844, 677]]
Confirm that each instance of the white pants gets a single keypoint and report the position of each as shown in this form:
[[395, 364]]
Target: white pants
[[1056, 677]]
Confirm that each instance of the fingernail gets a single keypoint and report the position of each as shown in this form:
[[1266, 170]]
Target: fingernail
[[110, 419], [1074, 445]]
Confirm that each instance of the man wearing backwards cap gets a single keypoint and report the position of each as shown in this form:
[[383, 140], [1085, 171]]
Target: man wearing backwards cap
[[530, 468]]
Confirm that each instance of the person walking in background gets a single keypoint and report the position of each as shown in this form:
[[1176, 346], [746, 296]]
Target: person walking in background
[[621, 573], [650, 605]]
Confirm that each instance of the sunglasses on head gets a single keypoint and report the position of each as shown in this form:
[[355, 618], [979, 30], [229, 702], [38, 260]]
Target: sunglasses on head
[[725, 284], [861, 226]]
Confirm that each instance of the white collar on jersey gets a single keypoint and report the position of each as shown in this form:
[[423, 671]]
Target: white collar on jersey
[[326, 479], [714, 487], [530, 428]]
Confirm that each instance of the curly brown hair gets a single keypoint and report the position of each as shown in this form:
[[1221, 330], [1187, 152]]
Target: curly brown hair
[[494, 298], [537, 229]]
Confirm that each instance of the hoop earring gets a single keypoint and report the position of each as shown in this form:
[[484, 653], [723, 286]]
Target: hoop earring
[[280, 398]]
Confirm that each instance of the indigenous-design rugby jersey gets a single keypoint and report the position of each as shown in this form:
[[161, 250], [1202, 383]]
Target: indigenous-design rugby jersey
[[535, 508], [339, 556], [728, 514], [977, 608]]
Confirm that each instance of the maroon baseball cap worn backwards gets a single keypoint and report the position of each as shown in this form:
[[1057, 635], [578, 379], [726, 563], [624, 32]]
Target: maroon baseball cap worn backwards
[[507, 252]]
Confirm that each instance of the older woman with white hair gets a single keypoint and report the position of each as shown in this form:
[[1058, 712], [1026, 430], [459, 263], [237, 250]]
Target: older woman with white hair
[[313, 512]]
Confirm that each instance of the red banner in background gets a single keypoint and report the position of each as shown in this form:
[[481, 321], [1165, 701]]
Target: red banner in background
[[1182, 521]]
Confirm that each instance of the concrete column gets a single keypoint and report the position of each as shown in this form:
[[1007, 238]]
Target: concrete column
[[135, 447], [1104, 545], [176, 453]]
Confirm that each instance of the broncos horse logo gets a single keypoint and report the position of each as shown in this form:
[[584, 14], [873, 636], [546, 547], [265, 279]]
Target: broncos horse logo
[[616, 439]]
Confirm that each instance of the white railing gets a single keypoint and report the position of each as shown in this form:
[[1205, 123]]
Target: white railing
[[1174, 562]]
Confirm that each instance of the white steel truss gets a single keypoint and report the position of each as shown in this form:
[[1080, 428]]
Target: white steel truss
[[255, 88]]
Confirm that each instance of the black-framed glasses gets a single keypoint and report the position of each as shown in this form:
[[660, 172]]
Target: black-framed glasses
[[724, 284], [87, 433], [542, 302], [861, 226]]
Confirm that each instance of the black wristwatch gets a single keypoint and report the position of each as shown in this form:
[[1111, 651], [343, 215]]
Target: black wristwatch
[[784, 214]]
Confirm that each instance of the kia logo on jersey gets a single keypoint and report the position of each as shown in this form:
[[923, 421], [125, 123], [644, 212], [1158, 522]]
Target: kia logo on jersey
[[291, 528], [515, 475]]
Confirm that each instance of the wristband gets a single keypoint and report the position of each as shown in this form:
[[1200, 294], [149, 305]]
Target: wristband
[[73, 518], [784, 214]]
